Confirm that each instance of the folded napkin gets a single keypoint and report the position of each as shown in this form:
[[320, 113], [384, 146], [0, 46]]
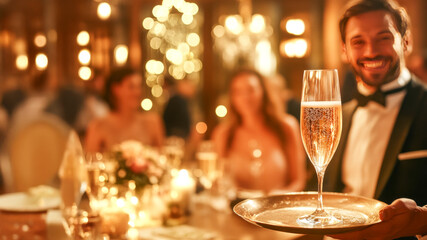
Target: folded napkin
[[55, 227], [44, 196]]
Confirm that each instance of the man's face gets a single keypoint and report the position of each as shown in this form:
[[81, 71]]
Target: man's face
[[374, 47]]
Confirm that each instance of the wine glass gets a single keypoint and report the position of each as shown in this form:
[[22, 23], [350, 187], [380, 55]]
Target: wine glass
[[208, 163], [321, 121]]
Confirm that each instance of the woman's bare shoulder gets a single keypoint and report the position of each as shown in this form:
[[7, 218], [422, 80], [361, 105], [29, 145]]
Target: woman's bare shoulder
[[289, 122], [221, 129]]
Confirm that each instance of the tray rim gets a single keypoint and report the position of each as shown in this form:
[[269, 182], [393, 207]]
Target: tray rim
[[308, 230]]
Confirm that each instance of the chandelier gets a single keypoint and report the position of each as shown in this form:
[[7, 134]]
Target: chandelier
[[245, 40]]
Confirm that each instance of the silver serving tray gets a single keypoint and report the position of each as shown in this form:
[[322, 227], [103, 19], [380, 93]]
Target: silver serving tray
[[281, 212]]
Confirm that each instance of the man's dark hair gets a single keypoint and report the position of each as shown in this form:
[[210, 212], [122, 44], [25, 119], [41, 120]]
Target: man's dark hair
[[357, 7]]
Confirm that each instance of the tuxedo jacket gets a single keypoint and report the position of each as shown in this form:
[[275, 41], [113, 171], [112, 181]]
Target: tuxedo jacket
[[404, 166]]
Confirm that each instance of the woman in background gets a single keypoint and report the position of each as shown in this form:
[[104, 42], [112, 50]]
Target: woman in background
[[123, 93], [261, 143]]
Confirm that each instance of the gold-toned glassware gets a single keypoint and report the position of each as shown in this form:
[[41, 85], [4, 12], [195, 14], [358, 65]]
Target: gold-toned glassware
[[79, 224], [208, 163], [321, 121]]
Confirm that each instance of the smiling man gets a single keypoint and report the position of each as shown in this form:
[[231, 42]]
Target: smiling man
[[383, 149]]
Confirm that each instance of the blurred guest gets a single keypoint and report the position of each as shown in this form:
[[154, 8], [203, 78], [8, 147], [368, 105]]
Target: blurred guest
[[67, 104], [176, 115], [123, 93], [11, 99], [382, 153], [286, 100], [37, 100], [261, 144], [94, 105]]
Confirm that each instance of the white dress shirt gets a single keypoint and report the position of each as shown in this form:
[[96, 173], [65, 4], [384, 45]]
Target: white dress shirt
[[368, 139]]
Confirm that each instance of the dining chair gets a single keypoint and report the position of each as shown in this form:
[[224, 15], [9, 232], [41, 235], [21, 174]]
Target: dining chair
[[33, 152]]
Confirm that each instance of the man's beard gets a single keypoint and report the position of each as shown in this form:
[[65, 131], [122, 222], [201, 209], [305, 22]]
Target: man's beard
[[391, 75]]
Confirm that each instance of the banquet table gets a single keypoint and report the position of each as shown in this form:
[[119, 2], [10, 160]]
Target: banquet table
[[224, 224]]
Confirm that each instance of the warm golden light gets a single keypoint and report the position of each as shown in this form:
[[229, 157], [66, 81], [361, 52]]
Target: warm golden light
[[147, 104], [41, 61], [218, 31], [201, 127], [184, 48], [234, 24], [157, 90], [121, 54], [40, 40], [174, 56], [295, 26], [189, 67], [159, 29], [148, 23], [21, 62], [155, 43], [187, 19], [85, 73], [257, 24], [193, 39], [104, 11], [161, 13], [83, 38], [154, 67], [84, 56], [296, 47], [198, 65], [221, 111]]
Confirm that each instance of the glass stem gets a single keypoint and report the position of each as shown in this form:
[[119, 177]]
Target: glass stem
[[320, 175]]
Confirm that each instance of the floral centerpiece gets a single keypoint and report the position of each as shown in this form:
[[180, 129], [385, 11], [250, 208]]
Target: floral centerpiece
[[137, 162]]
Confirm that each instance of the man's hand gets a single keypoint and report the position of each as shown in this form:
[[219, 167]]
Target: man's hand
[[401, 218]]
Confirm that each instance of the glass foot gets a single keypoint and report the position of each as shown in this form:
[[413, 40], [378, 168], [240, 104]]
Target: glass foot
[[318, 219]]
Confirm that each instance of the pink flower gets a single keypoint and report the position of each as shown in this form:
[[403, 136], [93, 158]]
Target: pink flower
[[138, 165]]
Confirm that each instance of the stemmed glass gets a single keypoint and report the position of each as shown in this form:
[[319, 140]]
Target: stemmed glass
[[321, 121]]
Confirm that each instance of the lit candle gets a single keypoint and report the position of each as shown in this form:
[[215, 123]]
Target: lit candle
[[182, 187]]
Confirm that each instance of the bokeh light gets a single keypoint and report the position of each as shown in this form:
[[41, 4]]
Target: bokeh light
[[234, 24], [201, 127], [146, 104], [84, 56], [295, 26], [148, 23], [121, 54], [40, 40], [157, 90], [83, 38], [85, 73], [221, 111], [257, 24], [41, 61], [296, 47], [193, 39], [21, 62], [104, 10]]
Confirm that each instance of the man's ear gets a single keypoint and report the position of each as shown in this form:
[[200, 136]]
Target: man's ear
[[408, 43], [344, 56]]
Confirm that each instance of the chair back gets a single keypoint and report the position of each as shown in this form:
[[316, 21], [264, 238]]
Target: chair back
[[34, 152]]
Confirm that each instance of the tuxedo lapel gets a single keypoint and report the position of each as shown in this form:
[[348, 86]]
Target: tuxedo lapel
[[398, 136], [333, 180]]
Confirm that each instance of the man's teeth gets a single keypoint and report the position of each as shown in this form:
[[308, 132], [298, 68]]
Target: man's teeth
[[373, 64]]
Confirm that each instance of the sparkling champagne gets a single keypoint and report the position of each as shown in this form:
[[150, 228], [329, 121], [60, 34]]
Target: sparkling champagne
[[208, 164], [321, 130]]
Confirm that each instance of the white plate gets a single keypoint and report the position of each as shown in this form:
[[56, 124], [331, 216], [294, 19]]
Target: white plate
[[24, 202]]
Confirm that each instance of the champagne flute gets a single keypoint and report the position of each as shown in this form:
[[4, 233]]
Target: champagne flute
[[321, 121]]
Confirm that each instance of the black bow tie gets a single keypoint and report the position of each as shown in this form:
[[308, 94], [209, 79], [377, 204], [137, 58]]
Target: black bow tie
[[378, 96]]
